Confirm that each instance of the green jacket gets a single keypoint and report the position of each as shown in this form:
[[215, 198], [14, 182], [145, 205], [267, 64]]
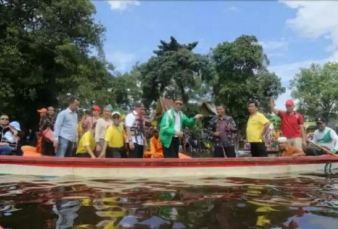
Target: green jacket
[[167, 126]]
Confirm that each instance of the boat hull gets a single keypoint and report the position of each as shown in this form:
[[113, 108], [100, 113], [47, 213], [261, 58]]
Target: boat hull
[[164, 168]]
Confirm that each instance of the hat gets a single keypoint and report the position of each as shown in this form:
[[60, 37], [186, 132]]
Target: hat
[[116, 113], [320, 120], [138, 104], [16, 125], [96, 108], [42, 110], [282, 140], [108, 108], [289, 102]]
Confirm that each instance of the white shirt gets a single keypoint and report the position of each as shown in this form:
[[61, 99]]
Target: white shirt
[[327, 137], [10, 137], [129, 122], [177, 125]]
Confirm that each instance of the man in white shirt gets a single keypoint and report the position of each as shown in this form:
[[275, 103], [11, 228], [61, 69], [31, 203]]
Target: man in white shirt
[[325, 136], [134, 123]]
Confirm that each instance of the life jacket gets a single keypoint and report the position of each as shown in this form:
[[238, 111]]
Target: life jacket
[[13, 145]]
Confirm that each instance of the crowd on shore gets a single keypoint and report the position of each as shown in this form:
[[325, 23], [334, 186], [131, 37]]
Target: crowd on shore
[[106, 134]]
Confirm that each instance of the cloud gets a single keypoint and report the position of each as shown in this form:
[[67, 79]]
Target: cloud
[[121, 60], [274, 45], [315, 19], [122, 5], [288, 71], [232, 9]]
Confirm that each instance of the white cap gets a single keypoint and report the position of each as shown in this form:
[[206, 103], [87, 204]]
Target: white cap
[[282, 139], [116, 113]]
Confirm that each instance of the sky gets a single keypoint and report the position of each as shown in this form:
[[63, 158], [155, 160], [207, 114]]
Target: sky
[[294, 34]]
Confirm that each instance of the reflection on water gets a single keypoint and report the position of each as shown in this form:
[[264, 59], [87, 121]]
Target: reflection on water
[[309, 201]]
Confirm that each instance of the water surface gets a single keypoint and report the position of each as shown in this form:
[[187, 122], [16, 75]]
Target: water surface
[[307, 201]]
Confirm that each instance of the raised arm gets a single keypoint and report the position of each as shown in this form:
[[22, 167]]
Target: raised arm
[[272, 107]]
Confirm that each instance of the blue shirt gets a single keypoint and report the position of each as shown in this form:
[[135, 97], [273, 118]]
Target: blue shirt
[[66, 126]]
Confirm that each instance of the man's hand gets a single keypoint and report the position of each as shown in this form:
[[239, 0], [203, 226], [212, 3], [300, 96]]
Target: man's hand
[[131, 145], [180, 134], [56, 144], [217, 134], [102, 155], [198, 116], [230, 127]]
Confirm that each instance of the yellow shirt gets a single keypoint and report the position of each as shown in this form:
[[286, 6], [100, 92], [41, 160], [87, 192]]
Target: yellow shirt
[[87, 139], [114, 136], [255, 127]]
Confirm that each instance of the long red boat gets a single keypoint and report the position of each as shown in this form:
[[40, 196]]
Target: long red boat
[[164, 168]]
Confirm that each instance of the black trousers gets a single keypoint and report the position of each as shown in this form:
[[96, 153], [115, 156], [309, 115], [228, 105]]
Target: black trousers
[[137, 152], [172, 150], [47, 148], [258, 149], [229, 151], [113, 152]]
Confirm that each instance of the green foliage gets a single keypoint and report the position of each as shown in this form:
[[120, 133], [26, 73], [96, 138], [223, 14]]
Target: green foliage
[[316, 88], [45, 54], [174, 71], [242, 75]]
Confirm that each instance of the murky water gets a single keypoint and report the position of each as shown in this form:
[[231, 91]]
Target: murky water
[[308, 201]]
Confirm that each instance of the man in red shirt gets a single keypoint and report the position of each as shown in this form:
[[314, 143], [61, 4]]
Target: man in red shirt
[[291, 124]]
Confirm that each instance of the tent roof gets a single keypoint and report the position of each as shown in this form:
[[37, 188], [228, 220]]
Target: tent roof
[[209, 107]]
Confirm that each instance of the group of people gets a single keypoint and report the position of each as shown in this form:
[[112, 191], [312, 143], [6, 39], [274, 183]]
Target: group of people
[[106, 134]]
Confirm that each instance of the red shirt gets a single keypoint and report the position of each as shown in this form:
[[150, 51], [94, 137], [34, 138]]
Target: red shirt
[[290, 124]]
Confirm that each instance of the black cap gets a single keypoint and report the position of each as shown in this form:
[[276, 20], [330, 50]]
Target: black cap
[[320, 120], [138, 104]]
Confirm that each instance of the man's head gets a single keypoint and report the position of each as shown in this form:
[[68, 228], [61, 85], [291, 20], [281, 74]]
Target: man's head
[[116, 118], [253, 107], [96, 110], [155, 132], [73, 103], [107, 112], [290, 106], [178, 104], [321, 123], [220, 108], [4, 120], [139, 108], [51, 111], [282, 143], [42, 112]]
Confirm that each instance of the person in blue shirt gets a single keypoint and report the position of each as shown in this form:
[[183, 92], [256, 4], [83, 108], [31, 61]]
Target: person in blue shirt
[[65, 129]]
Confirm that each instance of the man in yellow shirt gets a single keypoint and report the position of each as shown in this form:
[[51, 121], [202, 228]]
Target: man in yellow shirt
[[87, 144], [114, 139], [256, 129]]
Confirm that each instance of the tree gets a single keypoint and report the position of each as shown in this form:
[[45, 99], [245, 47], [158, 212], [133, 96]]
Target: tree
[[45, 53], [173, 71], [242, 75], [316, 89]]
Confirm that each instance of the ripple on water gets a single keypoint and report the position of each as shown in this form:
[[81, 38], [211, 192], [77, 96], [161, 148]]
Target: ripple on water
[[308, 201]]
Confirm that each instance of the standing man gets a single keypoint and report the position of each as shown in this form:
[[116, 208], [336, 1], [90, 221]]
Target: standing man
[[172, 124], [292, 124], [224, 129], [65, 129], [89, 121], [325, 136], [102, 125], [135, 136], [256, 129]]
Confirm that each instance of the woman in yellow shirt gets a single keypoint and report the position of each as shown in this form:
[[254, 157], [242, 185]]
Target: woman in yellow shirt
[[87, 144], [114, 139]]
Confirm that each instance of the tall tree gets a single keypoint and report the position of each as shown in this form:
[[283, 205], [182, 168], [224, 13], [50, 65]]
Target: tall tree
[[44, 54], [242, 75], [173, 71], [316, 88]]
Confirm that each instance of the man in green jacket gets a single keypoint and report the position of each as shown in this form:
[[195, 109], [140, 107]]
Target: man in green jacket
[[172, 124]]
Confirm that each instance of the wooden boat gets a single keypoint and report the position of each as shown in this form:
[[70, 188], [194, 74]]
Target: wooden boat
[[164, 168]]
